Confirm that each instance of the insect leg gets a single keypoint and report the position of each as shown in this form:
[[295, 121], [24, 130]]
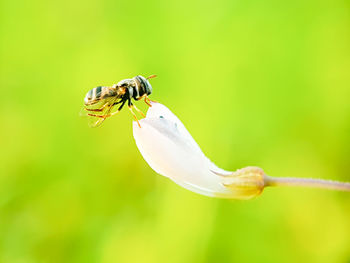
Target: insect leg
[[104, 106], [116, 103], [148, 101], [106, 115], [143, 115], [99, 116], [99, 109], [118, 110], [130, 105], [121, 106], [152, 100], [110, 106]]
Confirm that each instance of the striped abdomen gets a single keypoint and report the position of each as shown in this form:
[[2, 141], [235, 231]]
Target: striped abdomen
[[99, 93]]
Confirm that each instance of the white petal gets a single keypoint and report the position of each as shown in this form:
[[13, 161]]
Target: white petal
[[170, 150]]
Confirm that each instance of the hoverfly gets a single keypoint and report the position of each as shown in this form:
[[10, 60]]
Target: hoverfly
[[100, 102]]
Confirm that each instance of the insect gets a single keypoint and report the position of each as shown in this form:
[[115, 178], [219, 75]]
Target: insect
[[101, 101]]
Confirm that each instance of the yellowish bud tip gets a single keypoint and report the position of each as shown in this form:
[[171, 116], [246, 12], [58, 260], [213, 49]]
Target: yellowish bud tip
[[245, 183]]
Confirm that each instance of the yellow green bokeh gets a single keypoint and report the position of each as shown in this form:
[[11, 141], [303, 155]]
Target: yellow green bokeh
[[263, 83]]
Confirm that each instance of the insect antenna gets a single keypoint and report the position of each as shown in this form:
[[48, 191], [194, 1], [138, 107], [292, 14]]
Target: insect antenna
[[151, 77]]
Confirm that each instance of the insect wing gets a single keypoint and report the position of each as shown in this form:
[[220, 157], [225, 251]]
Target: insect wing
[[94, 107], [99, 111]]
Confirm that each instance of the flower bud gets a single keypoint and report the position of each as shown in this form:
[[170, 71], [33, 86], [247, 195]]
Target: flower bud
[[170, 150]]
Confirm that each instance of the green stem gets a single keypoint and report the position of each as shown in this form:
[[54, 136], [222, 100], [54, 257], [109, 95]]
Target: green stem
[[306, 182]]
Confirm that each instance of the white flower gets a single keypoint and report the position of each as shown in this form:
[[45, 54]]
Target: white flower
[[170, 150]]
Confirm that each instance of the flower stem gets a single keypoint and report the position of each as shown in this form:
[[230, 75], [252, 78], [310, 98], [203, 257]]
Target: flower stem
[[306, 182]]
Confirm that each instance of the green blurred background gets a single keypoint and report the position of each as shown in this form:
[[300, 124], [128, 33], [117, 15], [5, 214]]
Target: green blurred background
[[262, 83]]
